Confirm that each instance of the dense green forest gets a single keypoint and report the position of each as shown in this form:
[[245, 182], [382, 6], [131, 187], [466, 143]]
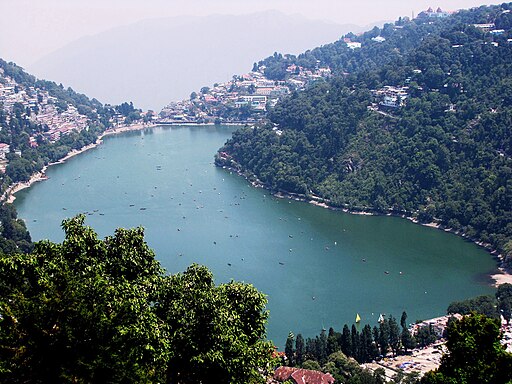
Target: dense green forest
[[443, 153], [104, 311]]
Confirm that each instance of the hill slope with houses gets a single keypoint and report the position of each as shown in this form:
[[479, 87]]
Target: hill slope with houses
[[41, 121], [243, 99]]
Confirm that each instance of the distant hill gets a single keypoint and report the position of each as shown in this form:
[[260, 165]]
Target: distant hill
[[157, 61], [417, 122]]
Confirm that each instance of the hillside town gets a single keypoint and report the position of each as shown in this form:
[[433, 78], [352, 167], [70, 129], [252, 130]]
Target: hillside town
[[56, 118], [243, 99], [33, 113]]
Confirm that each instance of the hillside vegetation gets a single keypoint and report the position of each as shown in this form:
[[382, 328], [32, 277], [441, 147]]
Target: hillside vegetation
[[417, 124]]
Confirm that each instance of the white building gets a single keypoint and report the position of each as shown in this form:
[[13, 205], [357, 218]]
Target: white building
[[354, 45], [4, 150]]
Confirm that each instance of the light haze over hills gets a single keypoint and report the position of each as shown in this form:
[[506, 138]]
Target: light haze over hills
[[31, 29], [156, 61]]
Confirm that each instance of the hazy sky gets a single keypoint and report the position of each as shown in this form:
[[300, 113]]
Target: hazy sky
[[30, 29]]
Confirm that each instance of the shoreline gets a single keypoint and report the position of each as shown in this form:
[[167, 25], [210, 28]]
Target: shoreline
[[500, 276], [9, 194], [127, 128], [191, 123]]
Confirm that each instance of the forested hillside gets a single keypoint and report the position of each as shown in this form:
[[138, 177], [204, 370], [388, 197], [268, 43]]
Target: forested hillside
[[416, 122]]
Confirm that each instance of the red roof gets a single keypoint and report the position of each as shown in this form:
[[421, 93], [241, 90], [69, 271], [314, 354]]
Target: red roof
[[302, 376]]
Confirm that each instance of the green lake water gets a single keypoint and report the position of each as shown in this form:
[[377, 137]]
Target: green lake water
[[318, 267]]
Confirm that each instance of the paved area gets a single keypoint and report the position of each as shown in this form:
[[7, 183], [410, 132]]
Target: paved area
[[420, 360]]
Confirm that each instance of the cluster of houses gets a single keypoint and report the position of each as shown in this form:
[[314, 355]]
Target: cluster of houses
[[252, 92], [391, 97], [256, 93], [438, 324], [41, 108], [59, 124]]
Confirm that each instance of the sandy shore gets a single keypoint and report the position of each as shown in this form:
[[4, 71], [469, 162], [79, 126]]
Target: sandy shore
[[9, 194], [128, 128], [420, 360], [502, 277]]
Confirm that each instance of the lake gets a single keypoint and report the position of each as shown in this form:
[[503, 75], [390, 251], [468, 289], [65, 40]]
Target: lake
[[318, 267]]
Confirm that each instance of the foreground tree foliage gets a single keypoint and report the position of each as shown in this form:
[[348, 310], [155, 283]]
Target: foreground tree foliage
[[14, 236], [91, 310], [475, 354]]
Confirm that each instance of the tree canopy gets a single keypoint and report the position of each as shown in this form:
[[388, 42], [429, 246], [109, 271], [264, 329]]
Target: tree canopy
[[364, 346], [475, 354], [91, 310]]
